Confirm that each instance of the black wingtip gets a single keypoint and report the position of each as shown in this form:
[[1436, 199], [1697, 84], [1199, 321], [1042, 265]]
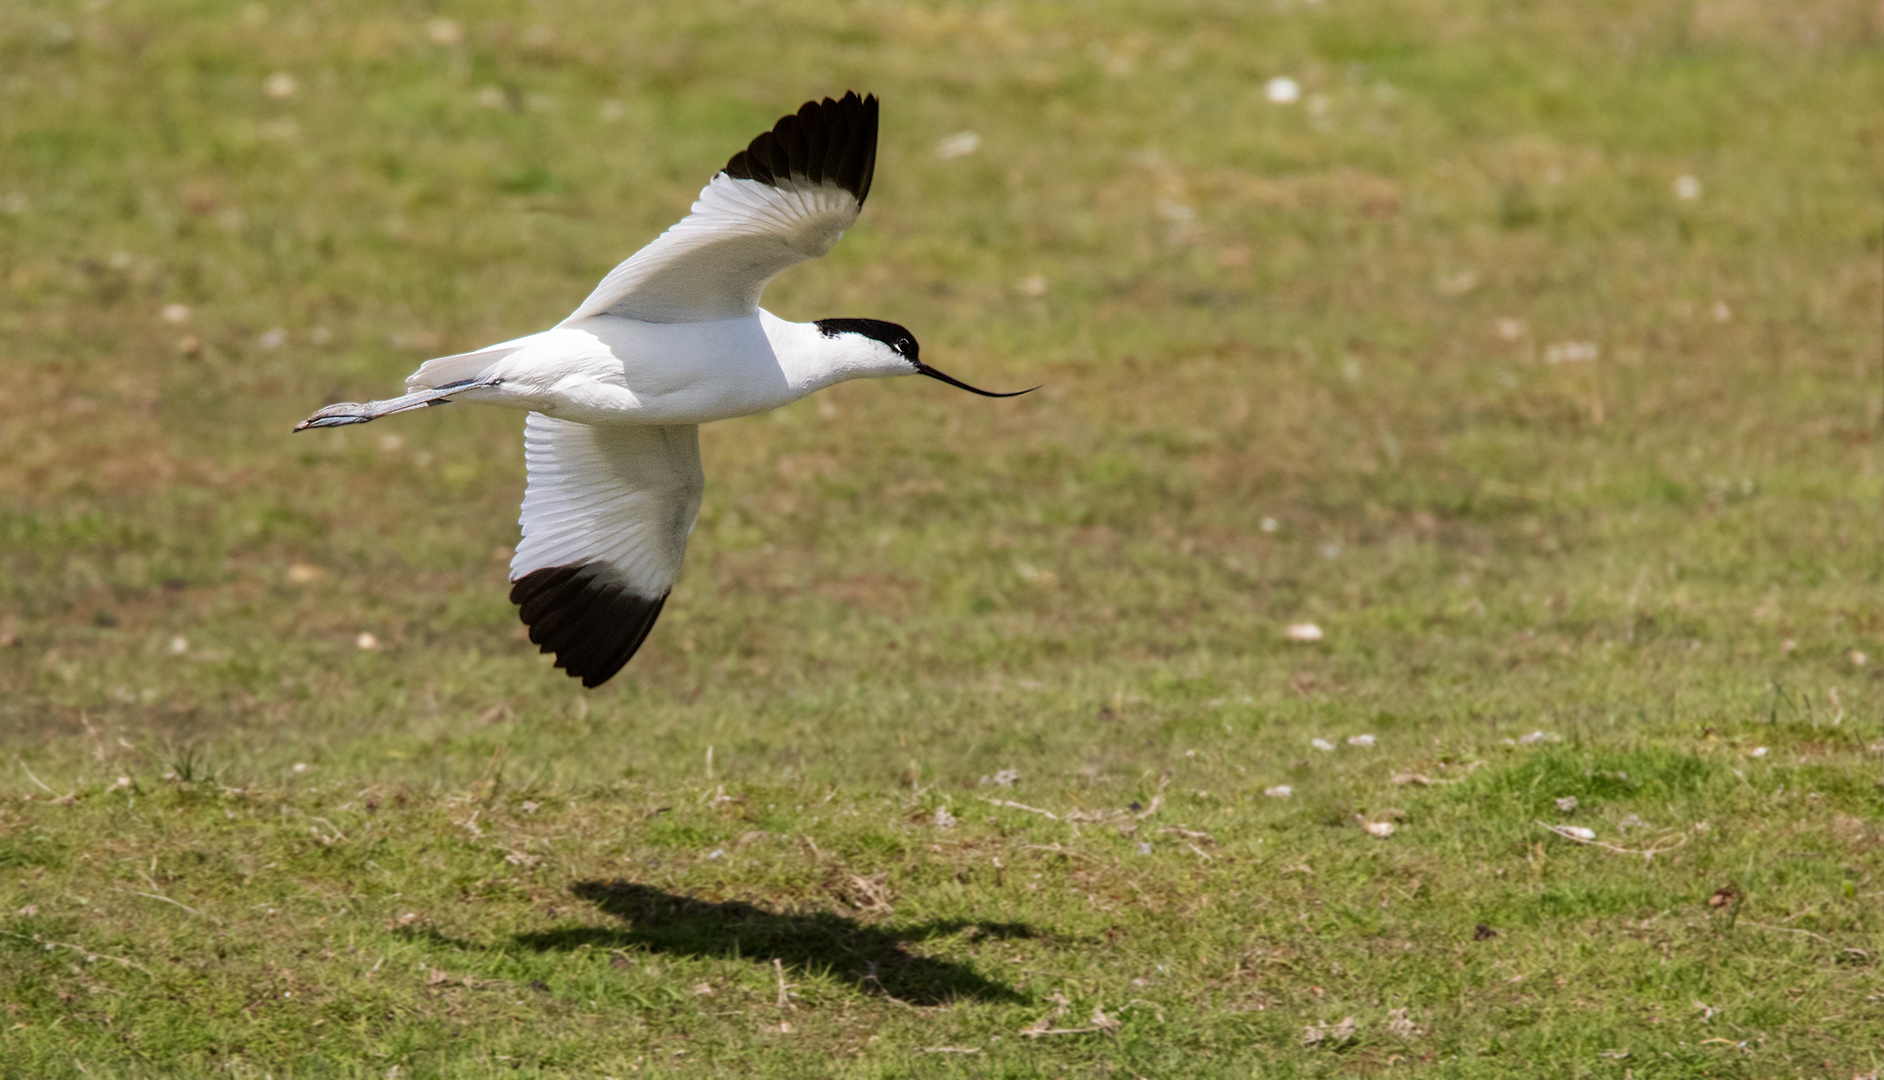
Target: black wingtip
[[587, 616], [824, 142]]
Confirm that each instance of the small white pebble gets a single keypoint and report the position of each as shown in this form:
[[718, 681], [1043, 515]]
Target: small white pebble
[[366, 642], [960, 144], [176, 314], [1458, 283], [1360, 740], [1508, 329], [1382, 829], [1579, 832], [1721, 312], [1269, 525], [1858, 658], [1571, 352], [1173, 211], [300, 766], [1687, 188], [281, 85], [179, 645], [1759, 751], [1302, 631], [1282, 90], [716, 853], [1322, 744], [1280, 791]]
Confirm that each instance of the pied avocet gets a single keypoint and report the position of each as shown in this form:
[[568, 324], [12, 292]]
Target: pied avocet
[[671, 338]]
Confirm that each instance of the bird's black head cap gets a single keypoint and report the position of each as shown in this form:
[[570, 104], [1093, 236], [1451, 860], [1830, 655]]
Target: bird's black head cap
[[904, 345], [896, 337]]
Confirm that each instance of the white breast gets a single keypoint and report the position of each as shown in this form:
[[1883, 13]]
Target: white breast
[[611, 370]]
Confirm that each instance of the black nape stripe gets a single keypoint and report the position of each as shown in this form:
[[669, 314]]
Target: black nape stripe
[[824, 142], [587, 615]]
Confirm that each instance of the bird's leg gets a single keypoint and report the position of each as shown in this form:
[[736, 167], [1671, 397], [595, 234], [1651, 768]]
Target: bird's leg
[[348, 412]]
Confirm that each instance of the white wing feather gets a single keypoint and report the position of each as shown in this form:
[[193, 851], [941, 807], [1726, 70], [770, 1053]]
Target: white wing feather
[[716, 262], [787, 197], [622, 495]]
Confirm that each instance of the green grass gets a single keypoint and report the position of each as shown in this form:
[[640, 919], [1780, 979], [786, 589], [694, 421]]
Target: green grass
[[1302, 363]]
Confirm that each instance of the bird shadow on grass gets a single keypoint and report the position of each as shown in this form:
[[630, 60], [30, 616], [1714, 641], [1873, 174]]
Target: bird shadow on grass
[[873, 958]]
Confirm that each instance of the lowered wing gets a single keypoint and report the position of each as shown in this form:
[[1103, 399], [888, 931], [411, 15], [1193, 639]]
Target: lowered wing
[[605, 523]]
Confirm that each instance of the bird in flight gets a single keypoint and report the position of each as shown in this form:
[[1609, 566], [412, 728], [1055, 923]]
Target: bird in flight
[[672, 338]]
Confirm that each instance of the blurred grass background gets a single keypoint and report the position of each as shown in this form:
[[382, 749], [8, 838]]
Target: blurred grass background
[[1532, 352]]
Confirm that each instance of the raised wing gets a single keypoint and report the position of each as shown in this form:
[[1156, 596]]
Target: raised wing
[[605, 523], [782, 200]]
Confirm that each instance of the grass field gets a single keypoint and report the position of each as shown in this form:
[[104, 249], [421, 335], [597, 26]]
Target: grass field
[[1533, 352]]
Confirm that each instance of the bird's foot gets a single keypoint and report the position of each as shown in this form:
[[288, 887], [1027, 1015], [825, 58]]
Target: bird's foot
[[345, 412], [350, 412]]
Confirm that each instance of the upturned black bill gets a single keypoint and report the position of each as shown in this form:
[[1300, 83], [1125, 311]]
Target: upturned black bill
[[925, 369]]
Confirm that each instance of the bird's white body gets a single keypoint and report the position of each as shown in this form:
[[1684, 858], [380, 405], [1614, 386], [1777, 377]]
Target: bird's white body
[[671, 339], [610, 370]]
